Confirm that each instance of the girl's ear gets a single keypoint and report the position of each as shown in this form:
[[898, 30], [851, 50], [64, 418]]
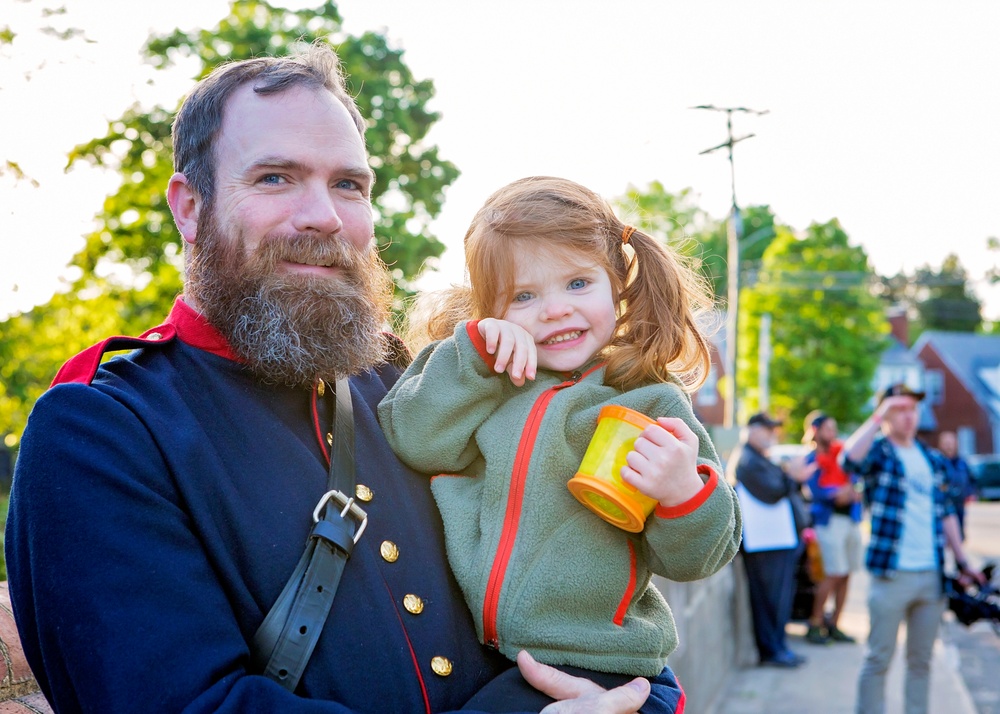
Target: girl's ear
[[185, 205]]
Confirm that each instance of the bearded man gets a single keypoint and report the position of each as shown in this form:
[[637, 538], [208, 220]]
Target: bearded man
[[162, 499]]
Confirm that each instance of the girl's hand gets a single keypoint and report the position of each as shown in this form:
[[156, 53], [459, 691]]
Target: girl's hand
[[512, 347], [664, 461]]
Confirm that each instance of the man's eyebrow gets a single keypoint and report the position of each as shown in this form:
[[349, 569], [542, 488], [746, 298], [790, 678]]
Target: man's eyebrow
[[358, 172], [364, 173], [273, 162]]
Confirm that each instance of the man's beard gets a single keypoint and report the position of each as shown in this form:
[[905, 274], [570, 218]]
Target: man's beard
[[292, 329]]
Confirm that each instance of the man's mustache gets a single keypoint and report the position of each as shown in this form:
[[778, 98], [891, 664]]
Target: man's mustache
[[307, 249]]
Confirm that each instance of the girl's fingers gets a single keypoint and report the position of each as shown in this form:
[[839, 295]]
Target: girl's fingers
[[679, 429]]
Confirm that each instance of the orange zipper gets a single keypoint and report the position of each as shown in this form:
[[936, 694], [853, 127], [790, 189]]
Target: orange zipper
[[512, 516]]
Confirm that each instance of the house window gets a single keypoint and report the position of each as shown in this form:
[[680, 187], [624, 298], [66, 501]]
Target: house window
[[966, 440], [934, 386]]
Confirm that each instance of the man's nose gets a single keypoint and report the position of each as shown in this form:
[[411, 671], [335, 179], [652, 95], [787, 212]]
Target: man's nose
[[317, 212]]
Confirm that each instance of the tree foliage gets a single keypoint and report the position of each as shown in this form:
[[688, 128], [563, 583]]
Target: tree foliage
[[941, 299], [757, 231], [129, 268], [827, 332], [677, 219], [47, 21]]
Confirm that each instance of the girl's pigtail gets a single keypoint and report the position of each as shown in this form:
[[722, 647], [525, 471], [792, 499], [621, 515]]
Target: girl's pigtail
[[660, 335]]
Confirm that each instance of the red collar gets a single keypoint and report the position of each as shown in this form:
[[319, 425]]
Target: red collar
[[195, 330]]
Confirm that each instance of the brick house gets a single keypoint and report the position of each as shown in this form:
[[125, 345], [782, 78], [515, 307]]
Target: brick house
[[899, 363], [709, 406], [962, 381]]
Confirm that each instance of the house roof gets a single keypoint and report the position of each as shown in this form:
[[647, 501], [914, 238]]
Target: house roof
[[898, 354], [973, 359]]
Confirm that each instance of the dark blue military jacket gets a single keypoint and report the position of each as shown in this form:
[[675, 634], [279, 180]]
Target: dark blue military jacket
[[160, 503]]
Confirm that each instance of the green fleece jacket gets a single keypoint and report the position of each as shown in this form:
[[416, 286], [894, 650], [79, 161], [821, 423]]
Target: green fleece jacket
[[539, 571]]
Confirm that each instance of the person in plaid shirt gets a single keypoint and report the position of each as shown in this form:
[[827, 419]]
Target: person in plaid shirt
[[911, 522]]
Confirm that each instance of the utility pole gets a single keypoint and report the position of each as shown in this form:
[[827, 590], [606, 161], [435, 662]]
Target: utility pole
[[764, 362], [734, 233]]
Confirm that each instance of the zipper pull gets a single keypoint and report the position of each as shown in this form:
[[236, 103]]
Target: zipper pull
[[576, 376]]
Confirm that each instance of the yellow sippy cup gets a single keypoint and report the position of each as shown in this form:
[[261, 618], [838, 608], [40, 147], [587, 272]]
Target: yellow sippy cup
[[598, 484]]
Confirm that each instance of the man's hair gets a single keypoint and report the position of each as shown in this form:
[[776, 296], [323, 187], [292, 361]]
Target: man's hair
[[199, 119], [660, 298]]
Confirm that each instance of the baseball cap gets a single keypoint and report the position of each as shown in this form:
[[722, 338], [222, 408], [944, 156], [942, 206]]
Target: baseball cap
[[899, 390], [812, 423], [814, 419], [762, 419]]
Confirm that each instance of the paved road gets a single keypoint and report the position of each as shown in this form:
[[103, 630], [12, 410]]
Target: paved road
[[978, 646]]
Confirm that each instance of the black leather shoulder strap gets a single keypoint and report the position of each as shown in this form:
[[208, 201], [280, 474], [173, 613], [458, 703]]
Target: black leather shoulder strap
[[286, 639]]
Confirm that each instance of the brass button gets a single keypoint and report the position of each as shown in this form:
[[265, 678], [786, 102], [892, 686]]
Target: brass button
[[389, 551], [363, 493], [320, 388], [154, 336], [441, 666], [329, 438], [413, 604]]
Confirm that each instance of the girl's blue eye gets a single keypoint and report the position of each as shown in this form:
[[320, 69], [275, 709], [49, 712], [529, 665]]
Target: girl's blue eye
[[577, 284], [522, 297]]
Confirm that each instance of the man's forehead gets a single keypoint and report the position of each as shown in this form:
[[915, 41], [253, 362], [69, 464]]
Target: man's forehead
[[296, 124]]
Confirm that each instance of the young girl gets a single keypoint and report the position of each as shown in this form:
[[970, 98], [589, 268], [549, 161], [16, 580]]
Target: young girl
[[567, 310]]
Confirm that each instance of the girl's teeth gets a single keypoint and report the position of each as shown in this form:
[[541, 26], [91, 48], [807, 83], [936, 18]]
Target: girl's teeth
[[563, 338]]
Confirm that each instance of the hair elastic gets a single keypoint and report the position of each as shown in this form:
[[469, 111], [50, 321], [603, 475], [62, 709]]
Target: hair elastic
[[627, 232]]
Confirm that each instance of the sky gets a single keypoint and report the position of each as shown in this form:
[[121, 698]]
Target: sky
[[882, 115]]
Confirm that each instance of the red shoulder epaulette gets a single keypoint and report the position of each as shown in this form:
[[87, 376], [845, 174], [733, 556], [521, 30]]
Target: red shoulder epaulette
[[82, 368]]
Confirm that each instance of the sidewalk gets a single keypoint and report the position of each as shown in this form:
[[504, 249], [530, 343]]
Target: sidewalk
[[826, 683]]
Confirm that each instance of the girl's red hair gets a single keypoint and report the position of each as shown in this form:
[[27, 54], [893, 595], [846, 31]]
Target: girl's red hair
[[661, 300]]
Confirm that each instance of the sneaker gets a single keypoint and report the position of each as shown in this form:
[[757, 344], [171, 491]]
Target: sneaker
[[840, 636], [817, 636], [785, 660], [796, 657]]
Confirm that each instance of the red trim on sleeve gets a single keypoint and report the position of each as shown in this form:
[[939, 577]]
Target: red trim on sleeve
[[479, 342], [693, 503], [452, 476], [629, 590]]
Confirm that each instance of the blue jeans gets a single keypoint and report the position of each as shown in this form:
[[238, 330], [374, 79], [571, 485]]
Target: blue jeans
[[771, 581]]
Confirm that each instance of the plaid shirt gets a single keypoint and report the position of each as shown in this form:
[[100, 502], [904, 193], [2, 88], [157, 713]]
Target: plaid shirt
[[885, 495]]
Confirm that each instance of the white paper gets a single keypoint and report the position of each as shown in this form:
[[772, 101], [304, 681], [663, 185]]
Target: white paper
[[766, 526]]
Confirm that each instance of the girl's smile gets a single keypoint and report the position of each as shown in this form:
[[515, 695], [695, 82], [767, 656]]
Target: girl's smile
[[566, 306]]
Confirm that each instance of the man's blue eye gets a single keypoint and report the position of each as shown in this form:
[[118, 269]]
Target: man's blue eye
[[271, 179]]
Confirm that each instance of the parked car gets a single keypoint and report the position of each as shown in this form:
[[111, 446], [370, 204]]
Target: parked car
[[986, 475], [785, 454]]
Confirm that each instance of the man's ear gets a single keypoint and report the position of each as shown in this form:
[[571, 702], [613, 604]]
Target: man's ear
[[185, 205]]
